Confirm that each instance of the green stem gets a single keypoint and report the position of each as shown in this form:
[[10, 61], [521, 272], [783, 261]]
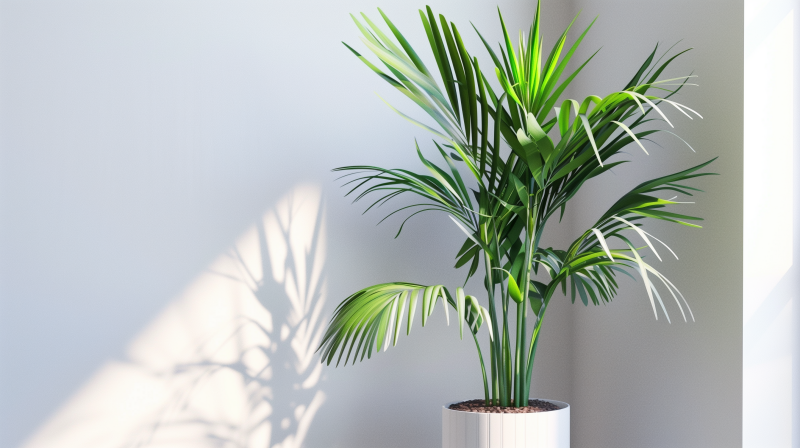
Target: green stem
[[529, 371], [519, 362], [504, 350], [530, 240], [483, 370], [498, 377], [535, 336], [507, 365], [495, 382], [532, 351]]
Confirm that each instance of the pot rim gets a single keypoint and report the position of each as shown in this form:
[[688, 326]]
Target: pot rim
[[561, 406]]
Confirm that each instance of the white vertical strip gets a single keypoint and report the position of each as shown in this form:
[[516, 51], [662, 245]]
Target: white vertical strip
[[562, 434], [531, 431], [483, 430], [553, 428], [509, 431], [541, 434], [461, 430], [471, 430], [519, 423], [495, 430], [454, 430], [770, 279], [446, 416]]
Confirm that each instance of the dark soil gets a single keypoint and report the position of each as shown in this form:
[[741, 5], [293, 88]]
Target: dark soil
[[480, 406]]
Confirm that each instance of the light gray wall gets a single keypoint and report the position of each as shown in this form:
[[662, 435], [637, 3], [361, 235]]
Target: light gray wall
[[140, 140], [637, 381]]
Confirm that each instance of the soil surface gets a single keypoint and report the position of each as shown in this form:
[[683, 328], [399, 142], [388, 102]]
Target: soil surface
[[479, 405]]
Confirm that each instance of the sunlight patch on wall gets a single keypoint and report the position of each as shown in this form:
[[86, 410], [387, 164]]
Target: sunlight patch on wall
[[768, 223], [768, 163], [230, 362]]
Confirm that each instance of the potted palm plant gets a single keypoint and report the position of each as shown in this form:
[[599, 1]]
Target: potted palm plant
[[511, 159]]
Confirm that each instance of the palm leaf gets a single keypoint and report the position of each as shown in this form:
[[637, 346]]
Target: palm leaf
[[373, 316]]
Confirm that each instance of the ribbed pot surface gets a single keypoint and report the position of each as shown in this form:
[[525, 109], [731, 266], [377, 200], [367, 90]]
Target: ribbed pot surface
[[462, 429]]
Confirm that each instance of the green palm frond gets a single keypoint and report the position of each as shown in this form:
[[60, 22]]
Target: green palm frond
[[457, 111], [440, 190], [374, 316], [591, 276], [590, 264], [639, 202], [534, 87]]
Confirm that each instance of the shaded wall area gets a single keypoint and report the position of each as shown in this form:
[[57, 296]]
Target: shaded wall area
[[638, 381]]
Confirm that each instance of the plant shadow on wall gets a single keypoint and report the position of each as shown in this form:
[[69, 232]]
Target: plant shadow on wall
[[230, 363]]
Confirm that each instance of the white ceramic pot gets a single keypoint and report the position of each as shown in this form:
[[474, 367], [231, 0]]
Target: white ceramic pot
[[549, 429]]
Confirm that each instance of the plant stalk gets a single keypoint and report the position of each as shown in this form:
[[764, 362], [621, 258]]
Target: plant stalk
[[498, 376], [534, 345], [483, 370]]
